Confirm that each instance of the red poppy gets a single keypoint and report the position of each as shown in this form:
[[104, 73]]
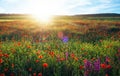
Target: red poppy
[[1, 61], [118, 50], [51, 53], [62, 59], [45, 65], [1, 55], [19, 43], [34, 74], [2, 74], [37, 61], [39, 74], [103, 66], [106, 74], [72, 55], [81, 67], [6, 55], [13, 65], [29, 47], [40, 56], [85, 60], [108, 66]]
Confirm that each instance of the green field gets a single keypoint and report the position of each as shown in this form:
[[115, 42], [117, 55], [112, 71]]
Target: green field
[[68, 46]]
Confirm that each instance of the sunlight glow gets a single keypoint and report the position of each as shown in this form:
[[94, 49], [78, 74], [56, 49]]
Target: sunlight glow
[[45, 18], [44, 10]]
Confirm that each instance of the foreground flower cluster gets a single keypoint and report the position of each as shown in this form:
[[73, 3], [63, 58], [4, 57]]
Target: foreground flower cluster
[[15, 61]]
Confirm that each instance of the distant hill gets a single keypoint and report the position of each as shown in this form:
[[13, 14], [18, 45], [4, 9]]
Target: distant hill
[[2, 14], [81, 15], [100, 15]]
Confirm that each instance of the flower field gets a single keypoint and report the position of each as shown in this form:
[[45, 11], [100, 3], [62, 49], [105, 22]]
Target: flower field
[[68, 48]]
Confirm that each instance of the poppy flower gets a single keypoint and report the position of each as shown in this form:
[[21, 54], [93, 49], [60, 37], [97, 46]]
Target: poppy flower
[[13, 65], [72, 55], [103, 66], [51, 54], [1, 61], [37, 61], [81, 67], [39, 74], [119, 50], [45, 65], [85, 60], [1, 55], [2, 74], [28, 47], [62, 59], [108, 66], [40, 56], [34, 74], [6, 55], [106, 74], [18, 43]]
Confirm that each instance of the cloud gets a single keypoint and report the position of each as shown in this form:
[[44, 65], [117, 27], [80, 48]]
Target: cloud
[[80, 3], [62, 6], [2, 10], [105, 1], [89, 6], [12, 1]]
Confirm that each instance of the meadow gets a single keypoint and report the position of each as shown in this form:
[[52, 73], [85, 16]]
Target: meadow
[[64, 47]]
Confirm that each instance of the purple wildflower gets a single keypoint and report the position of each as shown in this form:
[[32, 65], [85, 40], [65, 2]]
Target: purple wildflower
[[65, 39], [97, 65], [66, 54], [88, 67]]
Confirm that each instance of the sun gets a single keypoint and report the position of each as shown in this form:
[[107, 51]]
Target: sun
[[43, 10], [45, 18]]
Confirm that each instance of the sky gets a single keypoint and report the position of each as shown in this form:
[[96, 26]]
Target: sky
[[60, 6]]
